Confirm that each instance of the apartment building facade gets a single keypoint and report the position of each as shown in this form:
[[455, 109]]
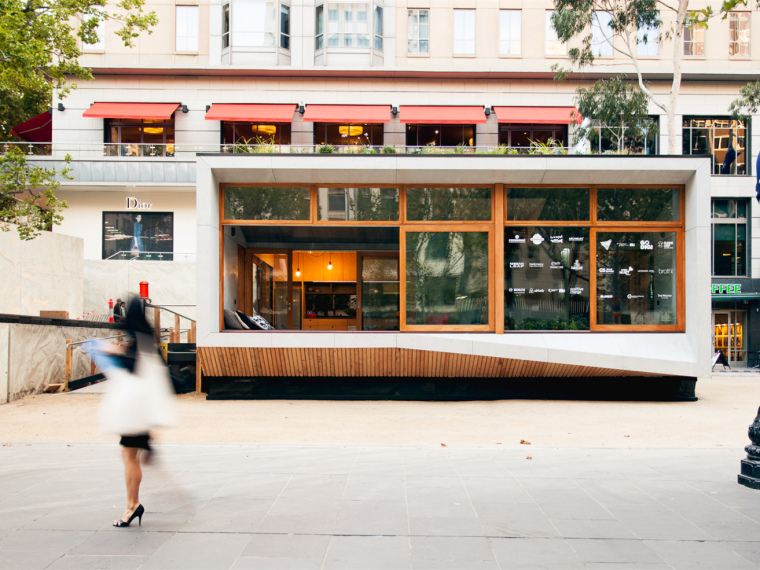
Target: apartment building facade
[[247, 151]]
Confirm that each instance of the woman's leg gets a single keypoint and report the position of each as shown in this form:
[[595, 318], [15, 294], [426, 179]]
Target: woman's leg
[[133, 477]]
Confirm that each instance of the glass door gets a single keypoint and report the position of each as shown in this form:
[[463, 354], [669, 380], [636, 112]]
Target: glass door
[[379, 292], [728, 335]]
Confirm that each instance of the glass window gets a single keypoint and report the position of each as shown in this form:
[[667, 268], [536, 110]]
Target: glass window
[[693, 41], [285, 27], [319, 25], [638, 204], [247, 203], [524, 135], [440, 135], [348, 25], [636, 138], [724, 138], [358, 204], [143, 235], [464, 32], [363, 134], [132, 137], [546, 278], [380, 293], [447, 278], [254, 23], [244, 133], [418, 32], [448, 204], [100, 32], [649, 41], [548, 204], [729, 229], [738, 32], [225, 26], [553, 46], [601, 34], [187, 28], [510, 32], [636, 278], [379, 28]]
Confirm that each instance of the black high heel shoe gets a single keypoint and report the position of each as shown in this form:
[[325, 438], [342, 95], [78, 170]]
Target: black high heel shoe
[[138, 513]]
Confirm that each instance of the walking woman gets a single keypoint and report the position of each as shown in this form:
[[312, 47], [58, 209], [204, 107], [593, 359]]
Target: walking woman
[[139, 397]]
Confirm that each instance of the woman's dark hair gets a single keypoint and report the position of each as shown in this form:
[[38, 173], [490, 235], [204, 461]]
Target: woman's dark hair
[[135, 320]]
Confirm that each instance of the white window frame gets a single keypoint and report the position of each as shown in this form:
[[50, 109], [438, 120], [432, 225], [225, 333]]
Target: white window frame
[[510, 33], [100, 46], [554, 48], [465, 31], [190, 34], [742, 41], [693, 36], [415, 33], [652, 46], [602, 35]]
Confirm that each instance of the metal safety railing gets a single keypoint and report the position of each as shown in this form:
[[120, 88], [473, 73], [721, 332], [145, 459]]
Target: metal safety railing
[[174, 333]]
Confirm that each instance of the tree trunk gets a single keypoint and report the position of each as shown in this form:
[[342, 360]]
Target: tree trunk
[[676, 86]]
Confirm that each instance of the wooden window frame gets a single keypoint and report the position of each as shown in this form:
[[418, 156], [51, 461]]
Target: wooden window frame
[[229, 222], [407, 221]]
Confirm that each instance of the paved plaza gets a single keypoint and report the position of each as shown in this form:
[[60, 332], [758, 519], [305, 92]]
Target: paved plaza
[[375, 506]]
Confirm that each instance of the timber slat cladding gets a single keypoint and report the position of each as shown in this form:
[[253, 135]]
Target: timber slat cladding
[[382, 362]]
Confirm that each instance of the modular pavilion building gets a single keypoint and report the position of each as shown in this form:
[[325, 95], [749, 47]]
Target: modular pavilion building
[[387, 188]]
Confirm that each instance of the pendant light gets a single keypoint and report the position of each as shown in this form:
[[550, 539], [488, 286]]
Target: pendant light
[[298, 268], [329, 263]]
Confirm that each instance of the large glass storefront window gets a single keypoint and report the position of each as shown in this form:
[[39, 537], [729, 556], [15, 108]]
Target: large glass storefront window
[[364, 134], [380, 293], [724, 138], [638, 205], [729, 232], [548, 204], [447, 278], [267, 203], [135, 137], [443, 204], [244, 133], [358, 204], [440, 135], [525, 136], [636, 278], [143, 235], [546, 278]]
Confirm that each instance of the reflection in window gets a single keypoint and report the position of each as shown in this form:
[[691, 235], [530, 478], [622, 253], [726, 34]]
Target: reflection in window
[[638, 204], [510, 32], [464, 32], [358, 134], [379, 28], [100, 33], [636, 278], [648, 41], [546, 284], [348, 25], [358, 204], [524, 135], [693, 40], [636, 138], [440, 135], [380, 293], [729, 229], [143, 235], [245, 133], [447, 278], [548, 204], [254, 23], [444, 204], [266, 203], [226, 26], [738, 32], [601, 34], [418, 32], [187, 28], [285, 27], [554, 47], [135, 137], [724, 138]]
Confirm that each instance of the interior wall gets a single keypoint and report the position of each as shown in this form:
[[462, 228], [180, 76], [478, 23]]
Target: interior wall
[[231, 269]]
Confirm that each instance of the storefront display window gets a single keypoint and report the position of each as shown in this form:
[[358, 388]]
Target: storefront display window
[[638, 205], [364, 134], [729, 231], [546, 278], [636, 278], [440, 135], [267, 203], [135, 137], [380, 293], [143, 235], [244, 133], [525, 136], [358, 204], [447, 278], [443, 204], [548, 204], [724, 138]]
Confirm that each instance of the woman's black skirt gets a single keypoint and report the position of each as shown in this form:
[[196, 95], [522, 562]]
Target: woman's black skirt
[[136, 441]]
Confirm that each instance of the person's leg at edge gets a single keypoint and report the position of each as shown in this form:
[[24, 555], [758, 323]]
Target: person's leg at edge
[[133, 477]]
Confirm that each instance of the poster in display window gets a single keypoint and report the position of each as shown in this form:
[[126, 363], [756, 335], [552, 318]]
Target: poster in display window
[[138, 235]]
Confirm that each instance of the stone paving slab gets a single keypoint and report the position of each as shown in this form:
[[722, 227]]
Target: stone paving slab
[[420, 507]]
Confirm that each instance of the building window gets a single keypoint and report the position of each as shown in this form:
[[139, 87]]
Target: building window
[[724, 138], [365, 134], [187, 28], [730, 237], [440, 135], [225, 26], [738, 30], [510, 32], [649, 41], [693, 41], [638, 138], [100, 32], [601, 34], [285, 27], [379, 28], [319, 28], [143, 235], [464, 32], [418, 32], [244, 133], [348, 25], [135, 137], [523, 136], [553, 46]]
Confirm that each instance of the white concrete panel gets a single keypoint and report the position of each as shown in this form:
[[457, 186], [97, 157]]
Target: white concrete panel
[[5, 331], [366, 340], [454, 343]]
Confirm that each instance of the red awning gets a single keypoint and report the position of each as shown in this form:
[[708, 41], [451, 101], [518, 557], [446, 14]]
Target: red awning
[[348, 113], [538, 115], [254, 113], [38, 129], [442, 115], [160, 111]]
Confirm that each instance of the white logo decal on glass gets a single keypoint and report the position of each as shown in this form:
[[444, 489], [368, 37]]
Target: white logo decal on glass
[[606, 244], [537, 239]]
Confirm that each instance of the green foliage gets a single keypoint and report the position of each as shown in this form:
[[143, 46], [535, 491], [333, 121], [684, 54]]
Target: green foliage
[[366, 149], [27, 195], [325, 149], [374, 204], [257, 146], [389, 149], [268, 203], [748, 103], [575, 323], [552, 146]]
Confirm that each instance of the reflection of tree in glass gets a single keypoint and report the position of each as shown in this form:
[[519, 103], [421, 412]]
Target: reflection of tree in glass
[[266, 203], [437, 204], [637, 204], [374, 204], [548, 204]]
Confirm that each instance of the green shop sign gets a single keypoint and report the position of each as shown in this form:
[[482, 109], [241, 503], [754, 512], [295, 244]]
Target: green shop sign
[[725, 288]]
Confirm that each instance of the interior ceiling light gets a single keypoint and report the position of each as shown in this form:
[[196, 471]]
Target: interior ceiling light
[[351, 130], [153, 130], [298, 267], [267, 129], [329, 264]]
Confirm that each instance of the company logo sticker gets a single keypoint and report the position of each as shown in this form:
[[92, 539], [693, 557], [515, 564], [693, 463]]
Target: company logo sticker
[[537, 239], [606, 244]]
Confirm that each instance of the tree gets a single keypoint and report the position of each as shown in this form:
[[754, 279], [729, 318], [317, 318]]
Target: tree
[[748, 102], [632, 22]]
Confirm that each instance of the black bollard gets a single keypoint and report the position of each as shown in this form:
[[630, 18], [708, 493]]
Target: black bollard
[[750, 475]]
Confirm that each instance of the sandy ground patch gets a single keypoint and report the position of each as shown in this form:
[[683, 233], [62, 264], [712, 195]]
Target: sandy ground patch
[[725, 409]]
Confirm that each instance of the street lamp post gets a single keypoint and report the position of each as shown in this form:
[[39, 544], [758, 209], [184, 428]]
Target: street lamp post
[[750, 475]]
